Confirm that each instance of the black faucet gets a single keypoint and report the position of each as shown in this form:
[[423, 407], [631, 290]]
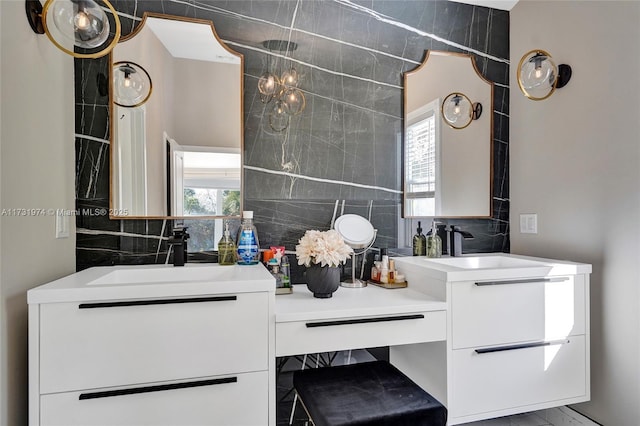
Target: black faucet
[[178, 241], [456, 235]]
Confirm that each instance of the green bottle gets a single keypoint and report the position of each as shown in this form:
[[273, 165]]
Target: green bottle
[[419, 243], [226, 248], [434, 242]]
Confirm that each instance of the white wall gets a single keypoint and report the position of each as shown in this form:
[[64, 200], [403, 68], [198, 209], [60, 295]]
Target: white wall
[[575, 161], [36, 171]]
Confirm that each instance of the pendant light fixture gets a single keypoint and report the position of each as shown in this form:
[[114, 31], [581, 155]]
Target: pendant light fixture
[[539, 76], [268, 86], [131, 84], [75, 24], [289, 99], [278, 116]]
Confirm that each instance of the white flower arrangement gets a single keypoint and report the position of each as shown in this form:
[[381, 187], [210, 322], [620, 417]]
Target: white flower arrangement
[[323, 247]]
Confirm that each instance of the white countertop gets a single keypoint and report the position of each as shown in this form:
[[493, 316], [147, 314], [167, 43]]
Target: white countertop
[[193, 279], [515, 266], [352, 302]]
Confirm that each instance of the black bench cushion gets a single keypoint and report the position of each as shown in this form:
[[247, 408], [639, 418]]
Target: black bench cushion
[[371, 393]]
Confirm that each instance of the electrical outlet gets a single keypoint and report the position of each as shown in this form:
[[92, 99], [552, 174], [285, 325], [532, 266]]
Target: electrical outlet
[[62, 226], [529, 223]]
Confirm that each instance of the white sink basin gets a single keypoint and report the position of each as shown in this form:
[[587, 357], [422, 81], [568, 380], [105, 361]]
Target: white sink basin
[[490, 266], [168, 274], [485, 262]]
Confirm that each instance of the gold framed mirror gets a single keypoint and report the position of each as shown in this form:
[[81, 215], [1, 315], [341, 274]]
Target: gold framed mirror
[[180, 153], [447, 171]]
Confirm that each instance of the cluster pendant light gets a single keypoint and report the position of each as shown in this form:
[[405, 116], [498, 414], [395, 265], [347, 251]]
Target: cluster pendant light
[[288, 99]]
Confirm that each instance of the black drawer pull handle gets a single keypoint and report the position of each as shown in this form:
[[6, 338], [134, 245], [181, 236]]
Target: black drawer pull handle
[[363, 320], [157, 388], [155, 302], [525, 281], [521, 346]]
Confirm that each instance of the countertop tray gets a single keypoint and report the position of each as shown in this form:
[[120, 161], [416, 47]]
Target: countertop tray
[[403, 284]]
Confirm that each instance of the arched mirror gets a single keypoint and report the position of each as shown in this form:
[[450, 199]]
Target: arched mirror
[[176, 146], [448, 166]]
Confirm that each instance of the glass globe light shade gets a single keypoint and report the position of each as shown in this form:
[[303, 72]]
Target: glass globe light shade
[[456, 110], [131, 84], [290, 78], [84, 22], [537, 75], [268, 84], [80, 24], [278, 117], [294, 101]]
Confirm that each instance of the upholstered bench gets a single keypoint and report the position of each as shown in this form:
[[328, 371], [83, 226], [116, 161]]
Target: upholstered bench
[[367, 394]]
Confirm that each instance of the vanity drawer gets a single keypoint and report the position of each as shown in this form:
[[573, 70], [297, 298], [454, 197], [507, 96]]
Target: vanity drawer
[[497, 312], [240, 400], [517, 376], [302, 337], [91, 345]]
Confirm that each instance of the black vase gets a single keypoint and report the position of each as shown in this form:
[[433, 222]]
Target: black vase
[[322, 281]]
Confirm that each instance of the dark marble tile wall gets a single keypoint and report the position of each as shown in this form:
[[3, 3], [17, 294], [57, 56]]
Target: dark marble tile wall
[[346, 145]]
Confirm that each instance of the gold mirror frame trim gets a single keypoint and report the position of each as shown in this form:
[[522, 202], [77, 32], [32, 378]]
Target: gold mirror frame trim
[[470, 111], [150, 85], [95, 55], [112, 123], [428, 53], [522, 89]]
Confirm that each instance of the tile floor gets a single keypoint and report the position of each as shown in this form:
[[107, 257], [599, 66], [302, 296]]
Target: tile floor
[[526, 419], [285, 396]]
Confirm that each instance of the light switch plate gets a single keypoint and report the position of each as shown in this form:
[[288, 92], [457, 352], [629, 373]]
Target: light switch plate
[[529, 223], [62, 226]]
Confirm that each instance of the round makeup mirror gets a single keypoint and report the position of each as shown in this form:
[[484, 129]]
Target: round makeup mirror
[[359, 233]]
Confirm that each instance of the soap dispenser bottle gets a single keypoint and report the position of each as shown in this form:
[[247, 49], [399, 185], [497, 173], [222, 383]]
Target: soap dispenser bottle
[[434, 242], [419, 242], [226, 248], [248, 245]]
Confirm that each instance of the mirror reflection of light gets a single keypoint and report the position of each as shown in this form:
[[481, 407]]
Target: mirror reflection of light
[[559, 315]]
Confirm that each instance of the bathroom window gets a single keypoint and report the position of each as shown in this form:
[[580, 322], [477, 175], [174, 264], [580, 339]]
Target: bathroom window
[[210, 183], [420, 156]]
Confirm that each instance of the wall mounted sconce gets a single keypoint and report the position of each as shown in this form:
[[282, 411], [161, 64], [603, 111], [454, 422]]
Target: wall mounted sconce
[[131, 84], [289, 99], [73, 24], [538, 75], [458, 111]]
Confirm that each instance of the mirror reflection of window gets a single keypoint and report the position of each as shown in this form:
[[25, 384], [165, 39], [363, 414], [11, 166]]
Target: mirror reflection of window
[[211, 183], [209, 186], [422, 168]]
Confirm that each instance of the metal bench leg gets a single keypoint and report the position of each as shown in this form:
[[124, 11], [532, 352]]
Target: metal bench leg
[[295, 397]]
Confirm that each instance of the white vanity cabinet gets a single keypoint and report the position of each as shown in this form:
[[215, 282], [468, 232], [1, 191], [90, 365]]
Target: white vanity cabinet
[[517, 337], [172, 353]]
